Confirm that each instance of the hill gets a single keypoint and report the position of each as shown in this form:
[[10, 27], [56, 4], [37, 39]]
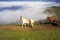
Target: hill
[[55, 10]]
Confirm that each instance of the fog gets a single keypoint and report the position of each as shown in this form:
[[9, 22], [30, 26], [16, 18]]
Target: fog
[[32, 10]]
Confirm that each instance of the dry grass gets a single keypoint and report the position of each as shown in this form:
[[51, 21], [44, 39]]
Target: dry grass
[[40, 27]]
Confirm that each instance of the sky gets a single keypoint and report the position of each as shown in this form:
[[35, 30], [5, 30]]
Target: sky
[[11, 11], [34, 0]]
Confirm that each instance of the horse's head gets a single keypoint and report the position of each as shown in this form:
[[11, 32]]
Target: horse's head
[[20, 17]]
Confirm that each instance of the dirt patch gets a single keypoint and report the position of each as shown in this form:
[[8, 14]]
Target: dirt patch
[[41, 27]]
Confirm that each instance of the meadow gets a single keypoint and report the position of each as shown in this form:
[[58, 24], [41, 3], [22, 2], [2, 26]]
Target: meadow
[[13, 32]]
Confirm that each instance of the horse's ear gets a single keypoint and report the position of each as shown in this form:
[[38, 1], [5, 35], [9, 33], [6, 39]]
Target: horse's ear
[[20, 16]]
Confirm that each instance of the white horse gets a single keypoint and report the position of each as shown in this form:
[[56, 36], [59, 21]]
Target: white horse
[[26, 21]]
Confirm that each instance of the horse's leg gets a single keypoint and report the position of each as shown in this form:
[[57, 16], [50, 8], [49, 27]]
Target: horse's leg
[[25, 25], [22, 25], [32, 24]]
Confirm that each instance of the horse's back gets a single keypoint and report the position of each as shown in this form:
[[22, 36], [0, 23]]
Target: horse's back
[[52, 18]]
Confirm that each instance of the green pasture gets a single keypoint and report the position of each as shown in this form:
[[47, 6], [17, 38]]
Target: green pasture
[[30, 35]]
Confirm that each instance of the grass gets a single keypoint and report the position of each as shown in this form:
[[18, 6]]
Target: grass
[[7, 34], [30, 35]]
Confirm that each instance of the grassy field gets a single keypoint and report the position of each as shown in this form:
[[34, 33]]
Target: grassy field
[[30, 35], [14, 34]]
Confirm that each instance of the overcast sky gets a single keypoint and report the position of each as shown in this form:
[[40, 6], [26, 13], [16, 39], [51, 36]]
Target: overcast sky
[[35, 0], [10, 11]]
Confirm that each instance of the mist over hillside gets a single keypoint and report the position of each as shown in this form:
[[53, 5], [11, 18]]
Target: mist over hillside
[[11, 11]]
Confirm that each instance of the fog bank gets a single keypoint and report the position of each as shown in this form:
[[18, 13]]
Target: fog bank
[[11, 11]]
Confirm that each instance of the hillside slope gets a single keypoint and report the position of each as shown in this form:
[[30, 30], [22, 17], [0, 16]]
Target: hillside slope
[[55, 10]]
